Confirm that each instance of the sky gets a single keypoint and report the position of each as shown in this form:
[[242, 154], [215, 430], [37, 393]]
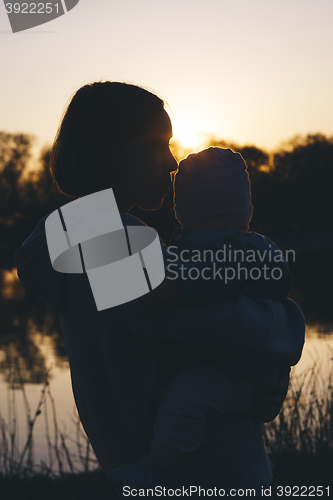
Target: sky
[[251, 71]]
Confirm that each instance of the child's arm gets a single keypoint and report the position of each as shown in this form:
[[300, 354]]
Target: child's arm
[[213, 266]]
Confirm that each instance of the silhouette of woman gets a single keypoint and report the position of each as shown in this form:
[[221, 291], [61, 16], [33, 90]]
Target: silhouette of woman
[[122, 359]]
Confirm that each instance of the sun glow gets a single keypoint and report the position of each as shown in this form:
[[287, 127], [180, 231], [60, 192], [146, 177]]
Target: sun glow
[[187, 136], [189, 132]]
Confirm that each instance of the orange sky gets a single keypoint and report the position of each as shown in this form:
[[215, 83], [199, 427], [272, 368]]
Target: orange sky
[[256, 71]]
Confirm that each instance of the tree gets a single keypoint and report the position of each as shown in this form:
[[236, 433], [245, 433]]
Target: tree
[[15, 153], [26, 195], [303, 175], [40, 196]]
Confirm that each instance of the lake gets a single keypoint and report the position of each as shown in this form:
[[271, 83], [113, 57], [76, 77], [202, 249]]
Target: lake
[[32, 348]]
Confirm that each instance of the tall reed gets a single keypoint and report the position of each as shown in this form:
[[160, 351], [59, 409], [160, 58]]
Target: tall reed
[[304, 426], [305, 422], [65, 453]]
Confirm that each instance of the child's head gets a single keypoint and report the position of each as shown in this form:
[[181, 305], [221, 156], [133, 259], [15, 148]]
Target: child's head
[[212, 189]]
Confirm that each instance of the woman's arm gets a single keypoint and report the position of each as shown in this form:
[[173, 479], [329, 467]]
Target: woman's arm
[[272, 331], [268, 398]]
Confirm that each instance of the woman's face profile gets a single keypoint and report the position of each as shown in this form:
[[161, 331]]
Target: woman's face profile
[[145, 178]]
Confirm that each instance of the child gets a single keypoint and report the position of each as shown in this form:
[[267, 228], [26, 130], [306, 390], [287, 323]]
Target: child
[[212, 201]]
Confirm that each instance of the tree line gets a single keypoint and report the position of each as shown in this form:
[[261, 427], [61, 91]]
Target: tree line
[[291, 187]]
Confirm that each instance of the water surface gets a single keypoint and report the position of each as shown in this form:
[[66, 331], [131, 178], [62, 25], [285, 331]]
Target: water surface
[[32, 351]]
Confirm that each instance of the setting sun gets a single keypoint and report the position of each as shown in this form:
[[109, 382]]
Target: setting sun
[[189, 132]]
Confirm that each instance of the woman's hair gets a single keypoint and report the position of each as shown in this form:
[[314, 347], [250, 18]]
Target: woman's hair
[[101, 119]]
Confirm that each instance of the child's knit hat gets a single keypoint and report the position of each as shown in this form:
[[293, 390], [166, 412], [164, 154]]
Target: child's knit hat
[[212, 188]]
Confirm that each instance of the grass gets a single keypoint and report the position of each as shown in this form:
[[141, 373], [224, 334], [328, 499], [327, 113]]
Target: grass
[[71, 470], [299, 441]]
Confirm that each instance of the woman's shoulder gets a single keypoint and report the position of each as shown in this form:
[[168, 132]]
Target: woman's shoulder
[[130, 220]]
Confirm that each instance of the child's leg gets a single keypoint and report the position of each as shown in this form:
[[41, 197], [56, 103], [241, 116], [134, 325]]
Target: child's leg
[[191, 398]]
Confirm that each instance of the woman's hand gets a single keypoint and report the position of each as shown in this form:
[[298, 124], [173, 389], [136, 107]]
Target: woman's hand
[[268, 398]]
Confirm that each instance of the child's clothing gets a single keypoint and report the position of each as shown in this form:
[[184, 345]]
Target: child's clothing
[[202, 391], [196, 394], [212, 189]]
